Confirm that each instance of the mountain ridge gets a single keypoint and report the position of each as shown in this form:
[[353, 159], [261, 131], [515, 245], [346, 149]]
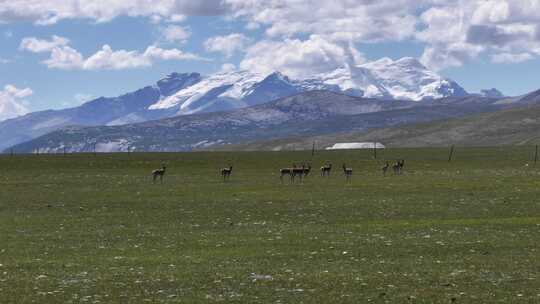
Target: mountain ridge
[[309, 114], [505, 126], [189, 93]]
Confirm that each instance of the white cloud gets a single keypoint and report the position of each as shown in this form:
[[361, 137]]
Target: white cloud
[[366, 20], [52, 11], [228, 45], [107, 59], [12, 101], [228, 67], [175, 18], [300, 58], [452, 32], [78, 99], [458, 32], [82, 98], [156, 53], [175, 33], [35, 45], [511, 58], [65, 57]]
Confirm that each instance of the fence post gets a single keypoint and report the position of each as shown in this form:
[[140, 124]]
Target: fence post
[[11, 153], [375, 150], [313, 150], [451, 154]]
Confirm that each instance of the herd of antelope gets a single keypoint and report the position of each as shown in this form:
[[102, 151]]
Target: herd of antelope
[[296, 172]]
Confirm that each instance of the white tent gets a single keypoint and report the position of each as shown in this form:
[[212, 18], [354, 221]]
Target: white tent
[[361, 145]]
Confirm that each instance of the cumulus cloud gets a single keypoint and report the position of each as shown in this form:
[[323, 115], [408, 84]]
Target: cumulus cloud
[[65, 57], [340, 19], [452, 32], [12, 101], [228, 45], [511, 58], [53, 11], [35, 45], [501, 36], [228, 67], [175, 33], [458, 32], [300, 58]]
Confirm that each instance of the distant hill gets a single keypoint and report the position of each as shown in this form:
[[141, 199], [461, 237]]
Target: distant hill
[[515, 126]]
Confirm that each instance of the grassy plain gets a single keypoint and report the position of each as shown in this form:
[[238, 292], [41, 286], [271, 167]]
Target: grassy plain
[[94, 229]]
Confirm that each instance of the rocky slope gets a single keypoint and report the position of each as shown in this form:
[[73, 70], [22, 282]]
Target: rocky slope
[[306, 114], [506, 126]]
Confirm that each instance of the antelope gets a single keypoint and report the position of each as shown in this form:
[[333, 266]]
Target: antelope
[[286, 171], [385, 168], [401, 165], [325, 170], [299, 171], [159, 172], [396, 168], [226, 173], [347, 172], [307, 170]]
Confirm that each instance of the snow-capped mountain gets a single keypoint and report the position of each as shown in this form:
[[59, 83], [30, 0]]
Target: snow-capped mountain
[[191, 93], [223, 91], [302, 115], [404, 79], [128, 108], [408, 79]]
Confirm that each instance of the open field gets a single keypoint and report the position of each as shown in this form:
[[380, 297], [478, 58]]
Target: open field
[[93, 229]]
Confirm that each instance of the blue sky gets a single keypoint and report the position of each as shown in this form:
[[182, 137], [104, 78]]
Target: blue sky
[[479, 44]]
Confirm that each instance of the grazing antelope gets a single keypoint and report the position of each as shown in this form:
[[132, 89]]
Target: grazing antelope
[[396, 168], [347, 172], [325, 170], [226, 173], [385, 168], [307, 170], [285, 171], [401, 165], [159, 172], [298, 171]]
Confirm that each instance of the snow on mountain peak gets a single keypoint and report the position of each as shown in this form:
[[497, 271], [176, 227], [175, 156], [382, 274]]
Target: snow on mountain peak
[[411, 62], [405, 78], [230, 85], [176, 81], [278, 76], [409, 79]]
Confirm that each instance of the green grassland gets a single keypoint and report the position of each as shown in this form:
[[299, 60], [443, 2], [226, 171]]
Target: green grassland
[[94, 229]]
